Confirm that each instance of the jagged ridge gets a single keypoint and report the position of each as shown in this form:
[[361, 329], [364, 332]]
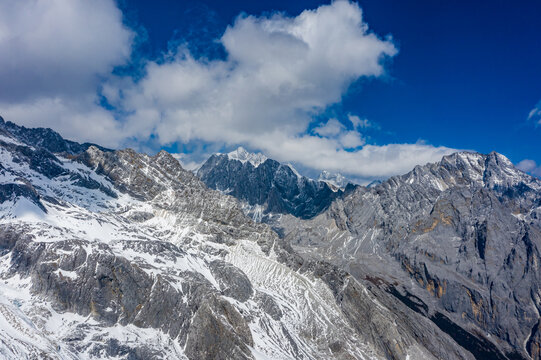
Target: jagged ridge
[[268, 186]]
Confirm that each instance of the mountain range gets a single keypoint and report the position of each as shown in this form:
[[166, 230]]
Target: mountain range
[[266, 186], [117, 254]]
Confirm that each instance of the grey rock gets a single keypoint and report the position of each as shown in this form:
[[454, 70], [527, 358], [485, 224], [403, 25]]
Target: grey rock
[[465, 230], [218, 332], [233, 282]]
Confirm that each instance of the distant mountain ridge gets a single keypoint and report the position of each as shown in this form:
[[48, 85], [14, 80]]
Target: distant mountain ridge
[[263, 182]]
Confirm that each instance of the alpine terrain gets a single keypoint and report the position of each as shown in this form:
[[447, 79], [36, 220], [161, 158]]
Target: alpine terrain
[[117, 254]]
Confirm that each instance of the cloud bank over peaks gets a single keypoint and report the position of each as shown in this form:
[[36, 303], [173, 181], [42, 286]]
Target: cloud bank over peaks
[[279, 74]]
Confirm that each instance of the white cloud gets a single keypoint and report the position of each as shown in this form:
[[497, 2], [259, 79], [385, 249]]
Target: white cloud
[[370, 161], [55, 54], [279, 73], [529, 166], [535, 114], [351, 139], [336, 131], [359, 123], [332, 127], [54, 47], [79, 119]]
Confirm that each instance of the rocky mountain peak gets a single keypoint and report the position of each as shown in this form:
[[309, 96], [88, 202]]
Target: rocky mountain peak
[[476, 163], [45, 138], [493, 171], [456, 240]]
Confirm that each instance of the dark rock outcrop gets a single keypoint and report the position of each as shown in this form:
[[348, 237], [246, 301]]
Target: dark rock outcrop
[[274, 186]]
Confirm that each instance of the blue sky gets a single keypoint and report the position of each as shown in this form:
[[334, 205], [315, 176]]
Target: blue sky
[[426, 78]]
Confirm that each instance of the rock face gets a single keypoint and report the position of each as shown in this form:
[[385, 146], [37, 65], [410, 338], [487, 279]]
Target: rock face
[[465, 230], [116, 254], [457, 241], [267, 186]]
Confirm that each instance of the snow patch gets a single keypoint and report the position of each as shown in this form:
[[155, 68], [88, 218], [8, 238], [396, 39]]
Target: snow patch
[[244, 156], [336, 180], [10, 140]]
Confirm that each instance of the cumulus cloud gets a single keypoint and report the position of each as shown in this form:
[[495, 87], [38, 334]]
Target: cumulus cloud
[[332, 128], [530, 166], [359, 123], [351, 139], [54, 56], [53, 47], [279, 73], [335, 130]]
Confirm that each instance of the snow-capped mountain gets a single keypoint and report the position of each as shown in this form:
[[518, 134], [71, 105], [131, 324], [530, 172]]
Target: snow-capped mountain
[[117, 254], [337, 180], [242, 155], [266, 186]]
